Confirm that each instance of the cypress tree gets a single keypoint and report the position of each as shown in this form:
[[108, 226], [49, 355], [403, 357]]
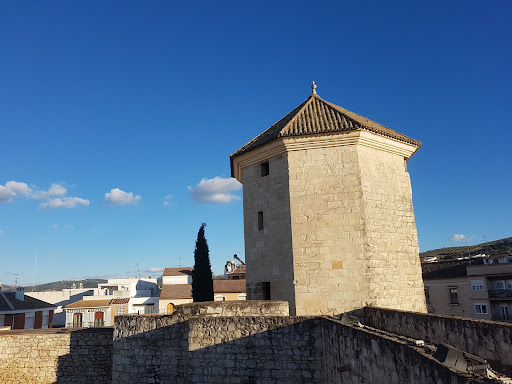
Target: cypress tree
[[202, 281]]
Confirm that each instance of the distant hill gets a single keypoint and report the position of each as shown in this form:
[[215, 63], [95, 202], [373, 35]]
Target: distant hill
[[60, 285], [5, 287], [497, 247]]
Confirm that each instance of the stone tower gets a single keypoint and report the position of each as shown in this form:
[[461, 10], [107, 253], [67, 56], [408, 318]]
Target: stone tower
[[328, 217]]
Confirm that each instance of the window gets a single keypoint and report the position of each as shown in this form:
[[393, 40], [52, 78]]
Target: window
[[481, 309], [500, 284], [477, 285], [265, 288], [454, 296], [77, 319], [220, 297], [427, 296], [46, 319], [265, 169], [98, 319], [260, 220], [120, 310], [30, 320], [242, 296]]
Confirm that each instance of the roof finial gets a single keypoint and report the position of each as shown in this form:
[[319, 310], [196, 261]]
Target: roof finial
[[313, 88]]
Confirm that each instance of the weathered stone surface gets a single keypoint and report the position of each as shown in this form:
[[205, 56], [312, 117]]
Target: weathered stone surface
[[241, 349], [489, 340], [127, 325], [270, 349], [338, 230], [49, 356]]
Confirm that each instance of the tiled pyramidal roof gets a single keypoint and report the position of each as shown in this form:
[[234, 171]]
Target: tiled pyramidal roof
[[317, 116]]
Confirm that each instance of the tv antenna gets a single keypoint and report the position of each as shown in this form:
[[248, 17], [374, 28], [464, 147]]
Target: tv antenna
[[179, 262], [15, 277], [487, 246], [34, 274]]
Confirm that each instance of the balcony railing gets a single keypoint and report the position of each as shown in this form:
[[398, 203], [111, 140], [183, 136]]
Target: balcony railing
[[86, 324], [500, 293]]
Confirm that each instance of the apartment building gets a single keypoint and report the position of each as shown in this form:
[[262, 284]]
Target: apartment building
[[479, 288]]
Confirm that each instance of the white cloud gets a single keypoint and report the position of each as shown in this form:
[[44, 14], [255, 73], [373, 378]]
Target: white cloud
[[57, 227], [216, 190], [6, 194], [166, 198], [54, 190], [457, 237], [18, 187], [65, 202], [119, 197], [47, 198], [11, 189], [57, 190]]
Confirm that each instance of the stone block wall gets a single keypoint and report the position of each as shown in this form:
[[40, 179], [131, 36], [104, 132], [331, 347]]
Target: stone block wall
[[128, 325], [82, 356], [268, 252], [353, 230], [223, 350], [339, 231], [268, 349], [489, 340], [327, 230], [242, 349], [356, 355], [391, 247]]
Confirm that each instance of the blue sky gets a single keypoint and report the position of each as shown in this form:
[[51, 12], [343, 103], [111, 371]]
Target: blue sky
[[100, 100]]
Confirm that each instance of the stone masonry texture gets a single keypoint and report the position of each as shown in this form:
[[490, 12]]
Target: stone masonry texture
[[268, 252], [270, 349], [339, 230], [50, 356], [490, 340], [200, 344]]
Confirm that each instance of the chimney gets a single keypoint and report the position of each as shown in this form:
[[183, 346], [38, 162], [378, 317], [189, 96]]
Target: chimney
[[20, 293]]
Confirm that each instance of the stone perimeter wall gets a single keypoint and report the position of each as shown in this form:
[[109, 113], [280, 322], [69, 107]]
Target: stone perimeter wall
[[363, 356], [197, 346], [223, 350], [270, 350], [490, 340], [49, 356], [128, 325]]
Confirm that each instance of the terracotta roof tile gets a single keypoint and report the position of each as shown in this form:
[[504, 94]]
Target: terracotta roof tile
[[178, 271], [225, 286], [120, 301], [89, 304], [317, 116], [176, 291]]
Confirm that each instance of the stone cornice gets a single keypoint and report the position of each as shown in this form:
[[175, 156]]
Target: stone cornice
[[289, 144], [255, 156]]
